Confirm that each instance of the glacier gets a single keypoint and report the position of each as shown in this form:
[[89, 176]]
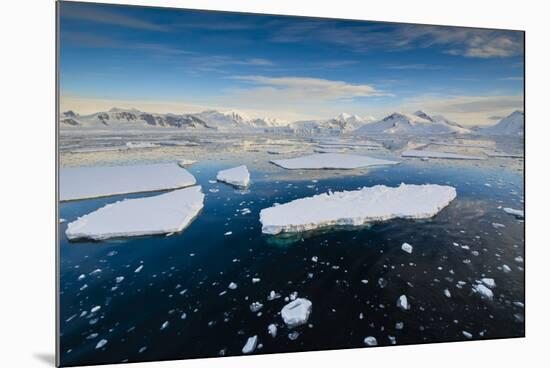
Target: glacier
[[358, 207]]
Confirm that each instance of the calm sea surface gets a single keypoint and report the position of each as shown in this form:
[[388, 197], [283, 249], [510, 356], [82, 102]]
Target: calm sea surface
[[354, 284]]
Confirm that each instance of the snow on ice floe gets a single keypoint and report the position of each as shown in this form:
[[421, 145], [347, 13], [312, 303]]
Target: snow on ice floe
[[331, 161], [100, 181], [250, 345], [161, 214], [238, 176], [296, 312], [436, 154], [517, 213], [369, 204]]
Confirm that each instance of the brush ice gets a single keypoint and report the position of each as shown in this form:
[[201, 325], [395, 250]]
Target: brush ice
[[161, 214], [238, 176], [331, 161], [296, 312], [358, 207], [100, 181], [436, 154]]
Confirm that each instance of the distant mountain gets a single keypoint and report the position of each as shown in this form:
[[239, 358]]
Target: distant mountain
[[512, 125], [418, 123], [132, 118], [343, 123]]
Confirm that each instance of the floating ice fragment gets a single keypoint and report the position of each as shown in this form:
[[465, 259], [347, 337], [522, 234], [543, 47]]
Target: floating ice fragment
[[293, 335], [81, 277], [95, 309], [164, 325], [403, 303], [238, 176], [101, 344], [250, 345], [273, 295], [447, 293], [407, 248], [119, 279], [159, 214], [183, 315], [506, 269], [436, 154], [232, 286], [293, 295], [137, 270], [399, 325], [331, 161], [489, 282], [228, 233], [95, 272], [483, 290], [296, 312], [467, 334], [255, 280], [518, 213], [370, 341], [256, 306], [272, 330], [355, 208], [186, 162]]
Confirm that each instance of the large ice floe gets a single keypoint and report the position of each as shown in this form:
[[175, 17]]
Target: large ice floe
[[331, 161], [161, 214], [100, 181], [237, 176], [436, 154], [358, 207], [296, 313]]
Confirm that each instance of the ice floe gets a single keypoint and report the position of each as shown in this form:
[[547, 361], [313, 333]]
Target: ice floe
[[100, 181], [369, 204], [250, 345], [403, 303], [296, 312], [483, 290], [517, 213], [101, 344], [370, 341], [436, 154], [165, 213], [237, 176], [331, 161], [272, 330], [186, 162]]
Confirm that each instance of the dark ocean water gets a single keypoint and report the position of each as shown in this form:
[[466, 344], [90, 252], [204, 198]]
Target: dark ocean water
[[185, 273]]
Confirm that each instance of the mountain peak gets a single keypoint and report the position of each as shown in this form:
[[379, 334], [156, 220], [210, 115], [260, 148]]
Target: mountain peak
[[423, 115]]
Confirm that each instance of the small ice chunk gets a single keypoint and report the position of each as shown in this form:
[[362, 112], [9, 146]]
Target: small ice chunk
[[518, 213], [250, 345], [370, 341], [101, 344], [255, 280], [272, 330], [489, 282], [273, 295], [95, 309], [293, 335], [237, 176], [296, 312], [165, 325], [467, 334], [403, 303], [447, 293], [138, 270], [228, 233], [81, 277], [483, 290], [256, 306], [186, 162], [232, 286], [407, 248], [331, 161], [119, 279], [506, 268], [399, 325]]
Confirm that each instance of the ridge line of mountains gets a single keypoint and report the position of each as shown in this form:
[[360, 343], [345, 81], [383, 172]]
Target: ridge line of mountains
[[396, 123]]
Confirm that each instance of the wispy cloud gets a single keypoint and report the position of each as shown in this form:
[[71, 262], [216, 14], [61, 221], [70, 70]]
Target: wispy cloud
[[111, 17], [512, 79], [414, 67]]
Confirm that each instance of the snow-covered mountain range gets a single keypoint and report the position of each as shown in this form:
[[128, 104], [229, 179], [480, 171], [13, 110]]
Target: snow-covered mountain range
[[419, 123], [511, 125]]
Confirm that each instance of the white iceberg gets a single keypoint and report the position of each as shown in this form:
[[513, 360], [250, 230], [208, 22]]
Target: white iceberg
[[369, 204], [407, 248], [403, 303], [250, 345], [331, 161], [296, 312], [517, 213], [436, 154], [272, 330], [483, 290], [238, 176], [370, 341], [100, 181], [161, 214]]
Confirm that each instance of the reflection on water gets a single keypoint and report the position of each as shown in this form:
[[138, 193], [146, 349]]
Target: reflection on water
[[353, 276]]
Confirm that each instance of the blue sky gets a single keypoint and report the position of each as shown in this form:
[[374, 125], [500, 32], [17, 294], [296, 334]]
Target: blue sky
[[168, 60]]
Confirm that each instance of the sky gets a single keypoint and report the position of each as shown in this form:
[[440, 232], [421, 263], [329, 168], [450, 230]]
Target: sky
[[290, 68]]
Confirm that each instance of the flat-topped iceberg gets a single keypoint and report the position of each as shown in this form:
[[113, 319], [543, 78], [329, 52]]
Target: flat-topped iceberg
[[331, 161], [369, 204], [436, 154], [100, 181], [238, 176], [161, 214]]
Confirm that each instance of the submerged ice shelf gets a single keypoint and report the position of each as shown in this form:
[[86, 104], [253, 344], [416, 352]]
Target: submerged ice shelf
[[161, 214], [238, 176], [369, 204], [100, 181], [331, 161]]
